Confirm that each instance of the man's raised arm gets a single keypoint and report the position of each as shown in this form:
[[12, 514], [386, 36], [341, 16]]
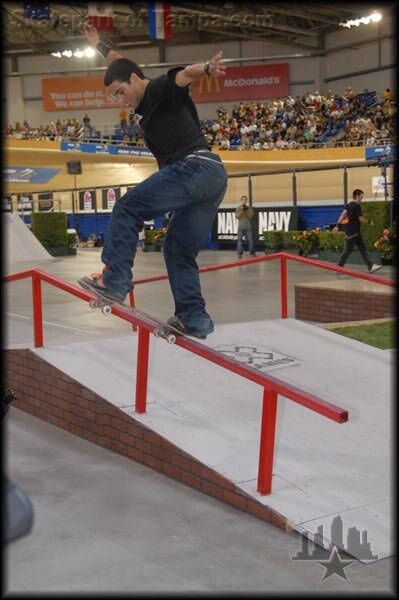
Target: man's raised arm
[[94, 40], [215, 66]]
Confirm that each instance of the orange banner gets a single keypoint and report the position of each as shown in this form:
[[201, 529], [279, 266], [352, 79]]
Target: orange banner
[[76, 93]]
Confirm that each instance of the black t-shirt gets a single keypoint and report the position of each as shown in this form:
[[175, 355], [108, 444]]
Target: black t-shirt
[[169, 122], [351, 224]]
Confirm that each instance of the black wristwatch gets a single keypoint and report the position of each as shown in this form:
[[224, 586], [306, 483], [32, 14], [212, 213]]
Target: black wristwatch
[[206, 67]]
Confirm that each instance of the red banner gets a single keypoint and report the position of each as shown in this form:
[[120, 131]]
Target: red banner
[[243, 83]]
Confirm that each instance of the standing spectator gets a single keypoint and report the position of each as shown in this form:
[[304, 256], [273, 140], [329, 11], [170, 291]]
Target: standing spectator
[[142, 239], [122, 118], [244, 214], [388, 95], [351, 219], [70, 131], [87, 127]]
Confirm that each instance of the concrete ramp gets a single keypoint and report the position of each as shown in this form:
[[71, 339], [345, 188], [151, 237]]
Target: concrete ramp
[[331, 481], [20, 245]]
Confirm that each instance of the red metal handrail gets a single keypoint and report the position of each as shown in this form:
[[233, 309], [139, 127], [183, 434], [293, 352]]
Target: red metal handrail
[[272, 386], [283, 256]]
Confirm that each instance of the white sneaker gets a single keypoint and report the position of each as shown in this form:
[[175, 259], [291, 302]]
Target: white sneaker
[[375, 268]]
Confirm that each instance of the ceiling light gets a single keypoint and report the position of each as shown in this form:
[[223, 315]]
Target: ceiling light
[[89, 52], [78, 53], [374, 18], [56, 54], [67, 53]]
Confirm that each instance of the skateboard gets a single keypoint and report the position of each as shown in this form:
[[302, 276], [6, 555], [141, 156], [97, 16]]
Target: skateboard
[[100, 301]]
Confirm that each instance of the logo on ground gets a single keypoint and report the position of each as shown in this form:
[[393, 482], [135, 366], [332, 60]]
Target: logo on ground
[[259, 358]]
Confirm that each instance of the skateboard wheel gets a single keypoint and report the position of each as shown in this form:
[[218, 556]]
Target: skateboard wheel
[[171, 338], [94, 304], [157, 332], [107, 310]]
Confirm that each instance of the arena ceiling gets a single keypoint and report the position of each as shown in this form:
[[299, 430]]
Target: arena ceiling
[[301, 26]]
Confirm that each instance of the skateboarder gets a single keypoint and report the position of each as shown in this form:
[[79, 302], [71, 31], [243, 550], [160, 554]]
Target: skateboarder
[[190, 183]]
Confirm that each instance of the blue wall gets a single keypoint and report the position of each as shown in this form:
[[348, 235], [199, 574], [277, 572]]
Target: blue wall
[[309, 217]]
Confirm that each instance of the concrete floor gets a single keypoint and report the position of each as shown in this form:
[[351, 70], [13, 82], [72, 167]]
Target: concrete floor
[[105, 523]]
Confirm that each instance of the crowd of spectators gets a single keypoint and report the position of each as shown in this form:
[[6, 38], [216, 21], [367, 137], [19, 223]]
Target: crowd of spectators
[[62, 129], [306, 121]]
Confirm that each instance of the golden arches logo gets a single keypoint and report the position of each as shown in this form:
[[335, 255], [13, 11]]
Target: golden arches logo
[[208, 80]]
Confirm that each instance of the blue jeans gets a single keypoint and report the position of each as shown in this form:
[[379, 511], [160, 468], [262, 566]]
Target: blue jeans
[[249, 238], [192, 189]]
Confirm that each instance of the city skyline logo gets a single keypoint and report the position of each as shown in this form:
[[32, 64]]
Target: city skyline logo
[[357, 545], [208, 80]]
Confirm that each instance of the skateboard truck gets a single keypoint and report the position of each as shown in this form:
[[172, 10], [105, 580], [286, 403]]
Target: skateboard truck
[[105, 307], [164, 332]]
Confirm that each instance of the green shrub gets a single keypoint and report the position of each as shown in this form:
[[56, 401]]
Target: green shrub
[[333, 242], [155, 236], [274, 239], [72, 240], [378, 212], [50, 228], [288, 239]]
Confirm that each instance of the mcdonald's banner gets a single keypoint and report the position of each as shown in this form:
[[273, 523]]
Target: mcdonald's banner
[[243, 83], [76, 93]]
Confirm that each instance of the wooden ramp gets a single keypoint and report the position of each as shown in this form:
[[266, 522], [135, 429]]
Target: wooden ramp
[[202, 423]]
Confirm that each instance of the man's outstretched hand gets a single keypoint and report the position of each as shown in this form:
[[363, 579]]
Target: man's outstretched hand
[[216, 65], [91, 33]]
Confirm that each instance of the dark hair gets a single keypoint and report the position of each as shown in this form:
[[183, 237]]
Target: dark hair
[[356, 193], [120, 70]]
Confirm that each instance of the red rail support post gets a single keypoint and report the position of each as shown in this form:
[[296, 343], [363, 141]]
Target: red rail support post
[[37, 311], [142, 370], [266, 452], [283, 284], [132, 304]]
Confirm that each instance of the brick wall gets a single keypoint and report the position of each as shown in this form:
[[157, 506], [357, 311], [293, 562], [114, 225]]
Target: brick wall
[[329, 305], [46, 392]]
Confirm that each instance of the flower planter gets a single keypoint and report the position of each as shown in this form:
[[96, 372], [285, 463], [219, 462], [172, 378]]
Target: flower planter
[[276, 250], [354, 258], [59, 250], [273, 250], [386, 261]]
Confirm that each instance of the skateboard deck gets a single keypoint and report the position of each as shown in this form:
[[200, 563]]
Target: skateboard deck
[[102, 302]]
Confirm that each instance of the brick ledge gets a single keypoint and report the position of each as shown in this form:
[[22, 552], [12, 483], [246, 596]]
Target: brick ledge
[[46, 392]]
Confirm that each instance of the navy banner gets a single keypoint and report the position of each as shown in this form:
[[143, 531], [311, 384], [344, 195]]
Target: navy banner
[[225, 225]]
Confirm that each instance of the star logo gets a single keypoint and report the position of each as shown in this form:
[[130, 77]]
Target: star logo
[[334, 565]]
